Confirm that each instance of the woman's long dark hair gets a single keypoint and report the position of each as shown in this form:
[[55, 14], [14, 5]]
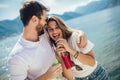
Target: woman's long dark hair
[[66, 32]]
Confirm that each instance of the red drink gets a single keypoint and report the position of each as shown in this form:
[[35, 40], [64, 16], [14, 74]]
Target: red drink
[[66, 60]]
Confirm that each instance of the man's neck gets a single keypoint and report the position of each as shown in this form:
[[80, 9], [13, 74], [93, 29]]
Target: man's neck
[[30, 34]]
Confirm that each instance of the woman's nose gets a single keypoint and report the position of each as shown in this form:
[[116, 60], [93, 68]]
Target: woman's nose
[[54, 30]]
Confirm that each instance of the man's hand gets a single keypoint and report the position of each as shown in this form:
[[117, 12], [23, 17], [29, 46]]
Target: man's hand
[[53, 72]]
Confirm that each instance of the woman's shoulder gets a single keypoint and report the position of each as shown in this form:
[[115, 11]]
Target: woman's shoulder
[[77, 33]]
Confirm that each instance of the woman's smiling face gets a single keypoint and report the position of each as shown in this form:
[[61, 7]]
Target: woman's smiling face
[[54, 31]]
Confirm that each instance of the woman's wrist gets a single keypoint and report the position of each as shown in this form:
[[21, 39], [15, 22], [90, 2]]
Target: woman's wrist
[[74, 53]]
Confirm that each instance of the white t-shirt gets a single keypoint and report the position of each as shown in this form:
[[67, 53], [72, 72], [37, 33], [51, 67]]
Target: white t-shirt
[[30, 59], [87, 70]]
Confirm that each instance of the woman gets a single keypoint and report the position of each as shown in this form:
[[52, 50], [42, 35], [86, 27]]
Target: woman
[[80, 49]]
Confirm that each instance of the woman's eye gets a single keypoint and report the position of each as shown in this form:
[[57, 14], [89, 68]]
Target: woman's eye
[[57, 27], [49, 29]]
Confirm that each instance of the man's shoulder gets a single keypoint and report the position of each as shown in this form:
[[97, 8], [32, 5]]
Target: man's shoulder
[[19, 53], [17, 49]]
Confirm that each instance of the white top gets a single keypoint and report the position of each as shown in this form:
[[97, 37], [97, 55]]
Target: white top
[[87, 70], [30, 59]]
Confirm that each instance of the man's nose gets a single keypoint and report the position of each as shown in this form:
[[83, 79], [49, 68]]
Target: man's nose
[[45, 22]]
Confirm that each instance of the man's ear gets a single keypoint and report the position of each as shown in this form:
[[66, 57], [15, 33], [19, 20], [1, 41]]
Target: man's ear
[[34, 19]]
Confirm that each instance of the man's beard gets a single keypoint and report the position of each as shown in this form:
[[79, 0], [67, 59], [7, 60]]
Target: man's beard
[[41, 32]]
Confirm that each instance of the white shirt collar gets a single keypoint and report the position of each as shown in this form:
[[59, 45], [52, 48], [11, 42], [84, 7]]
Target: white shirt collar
[[27, 43]]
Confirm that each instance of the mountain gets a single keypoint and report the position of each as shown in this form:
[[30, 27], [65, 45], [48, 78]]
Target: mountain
[[67, 15], [94, 6], [97, 5], [10, 27]]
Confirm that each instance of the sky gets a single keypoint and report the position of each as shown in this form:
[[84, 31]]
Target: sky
[[9, 9]]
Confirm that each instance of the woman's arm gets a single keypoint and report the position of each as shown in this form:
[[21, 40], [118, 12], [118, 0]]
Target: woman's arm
[[67, 73], [84, 58], [87, 58]]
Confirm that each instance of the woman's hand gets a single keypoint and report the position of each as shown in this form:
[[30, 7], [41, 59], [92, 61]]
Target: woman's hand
[[62, 46], [82, 40]]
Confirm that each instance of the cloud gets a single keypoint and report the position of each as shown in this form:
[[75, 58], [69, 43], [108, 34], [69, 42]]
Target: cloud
[[84, 3], [48, 2], [56, 6], [4, 6], [61, 6]]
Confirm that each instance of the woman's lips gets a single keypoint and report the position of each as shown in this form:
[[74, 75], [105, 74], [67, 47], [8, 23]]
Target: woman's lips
[[56, 36]]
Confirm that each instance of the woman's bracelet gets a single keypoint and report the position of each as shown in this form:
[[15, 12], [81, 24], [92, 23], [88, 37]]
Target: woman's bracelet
[[76, 54]]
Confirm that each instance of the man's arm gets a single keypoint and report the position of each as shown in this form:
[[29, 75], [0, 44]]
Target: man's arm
[[17, 68]]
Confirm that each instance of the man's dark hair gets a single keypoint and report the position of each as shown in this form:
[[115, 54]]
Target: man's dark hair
[[29, 9]]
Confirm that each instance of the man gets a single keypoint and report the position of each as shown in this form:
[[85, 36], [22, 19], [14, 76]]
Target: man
[[32, 56]]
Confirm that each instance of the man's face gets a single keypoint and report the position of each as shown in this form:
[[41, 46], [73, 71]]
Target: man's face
[[41, 23]]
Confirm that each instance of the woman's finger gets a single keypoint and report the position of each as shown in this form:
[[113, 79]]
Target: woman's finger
[[82, 41], [60, 46]]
